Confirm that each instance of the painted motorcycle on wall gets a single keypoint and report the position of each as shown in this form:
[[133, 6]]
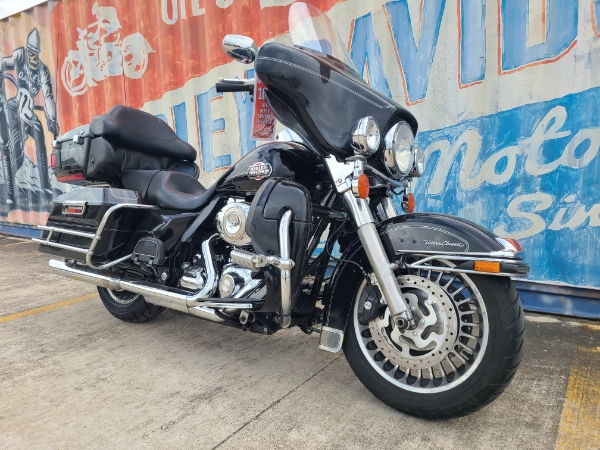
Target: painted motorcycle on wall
[[102, 53], [422, 304]]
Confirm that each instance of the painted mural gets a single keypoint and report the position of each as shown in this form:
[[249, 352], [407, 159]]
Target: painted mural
[[507, 93], [28, 119]]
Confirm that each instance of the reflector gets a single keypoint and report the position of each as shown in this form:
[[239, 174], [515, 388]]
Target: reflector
[[487, 266], [77, 176]]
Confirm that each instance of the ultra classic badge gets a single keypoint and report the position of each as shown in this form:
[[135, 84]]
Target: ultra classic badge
[[259, 170]]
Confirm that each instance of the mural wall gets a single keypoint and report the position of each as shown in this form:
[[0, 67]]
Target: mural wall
[[507, 93]]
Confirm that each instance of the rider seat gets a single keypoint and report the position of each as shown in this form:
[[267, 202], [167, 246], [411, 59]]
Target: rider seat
[[153, 160]]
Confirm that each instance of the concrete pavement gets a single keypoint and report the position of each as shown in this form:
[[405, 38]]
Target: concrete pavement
[[73, 376]]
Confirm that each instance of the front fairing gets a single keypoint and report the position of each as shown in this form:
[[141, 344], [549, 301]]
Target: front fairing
[[321, 99]]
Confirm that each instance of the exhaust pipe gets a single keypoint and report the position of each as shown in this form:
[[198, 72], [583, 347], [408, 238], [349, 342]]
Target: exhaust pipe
[[154, 293]]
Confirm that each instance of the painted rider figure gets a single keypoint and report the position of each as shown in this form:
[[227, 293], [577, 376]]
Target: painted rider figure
[[5, 145], [32, 76]]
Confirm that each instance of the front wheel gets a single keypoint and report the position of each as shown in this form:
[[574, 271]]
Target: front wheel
[[128, 306], [463, 354]]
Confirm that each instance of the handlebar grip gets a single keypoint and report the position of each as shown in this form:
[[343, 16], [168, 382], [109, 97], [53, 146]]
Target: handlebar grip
[[230, 87]]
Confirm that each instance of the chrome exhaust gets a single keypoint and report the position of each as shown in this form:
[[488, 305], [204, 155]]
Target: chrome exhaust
[[157, 294]]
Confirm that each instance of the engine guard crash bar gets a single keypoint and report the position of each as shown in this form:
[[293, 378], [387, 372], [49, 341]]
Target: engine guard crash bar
[[89, 252], [254, 262]]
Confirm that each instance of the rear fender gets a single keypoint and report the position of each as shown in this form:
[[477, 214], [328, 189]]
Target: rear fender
[[423, 236]]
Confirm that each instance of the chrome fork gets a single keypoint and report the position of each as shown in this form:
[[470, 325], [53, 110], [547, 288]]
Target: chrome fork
[[342, 174]]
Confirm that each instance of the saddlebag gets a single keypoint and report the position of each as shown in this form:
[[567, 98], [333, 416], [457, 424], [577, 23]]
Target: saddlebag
[[77, 215]]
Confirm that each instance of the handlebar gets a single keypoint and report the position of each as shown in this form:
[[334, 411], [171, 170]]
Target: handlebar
[[233, 85], [226, 87]]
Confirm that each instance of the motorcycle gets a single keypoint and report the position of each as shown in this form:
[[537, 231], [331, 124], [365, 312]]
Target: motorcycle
[[422, 304]]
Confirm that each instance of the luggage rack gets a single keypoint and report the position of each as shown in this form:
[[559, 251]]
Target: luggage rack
[[95, 237]]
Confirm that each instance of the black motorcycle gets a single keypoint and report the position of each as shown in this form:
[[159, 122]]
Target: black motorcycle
[[422, 304]]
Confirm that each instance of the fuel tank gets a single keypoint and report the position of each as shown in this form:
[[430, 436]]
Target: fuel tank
[[286, 160]]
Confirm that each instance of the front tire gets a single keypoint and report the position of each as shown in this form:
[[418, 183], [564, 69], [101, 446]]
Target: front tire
[[462, 356], [127, 306]]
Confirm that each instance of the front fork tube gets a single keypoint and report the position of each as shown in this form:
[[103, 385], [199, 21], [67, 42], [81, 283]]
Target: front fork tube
[[382, 268]]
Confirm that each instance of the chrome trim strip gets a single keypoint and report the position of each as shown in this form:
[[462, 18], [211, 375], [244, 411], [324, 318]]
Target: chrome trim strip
[[65, 231], [453, 270], [496, 254], [63, 246], [463, 258]]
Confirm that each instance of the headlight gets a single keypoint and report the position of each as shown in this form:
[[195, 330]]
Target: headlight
[[399, 150], [366, 136]]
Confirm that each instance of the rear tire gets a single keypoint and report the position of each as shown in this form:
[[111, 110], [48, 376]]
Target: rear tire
[[127, 306], [494, 359]]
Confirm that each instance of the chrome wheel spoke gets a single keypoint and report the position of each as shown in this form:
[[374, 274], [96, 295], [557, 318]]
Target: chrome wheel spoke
[[455, 353], [458, 291], [468, 349]]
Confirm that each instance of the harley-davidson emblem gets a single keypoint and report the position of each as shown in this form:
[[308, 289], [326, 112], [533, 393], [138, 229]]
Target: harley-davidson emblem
[[260, 170]]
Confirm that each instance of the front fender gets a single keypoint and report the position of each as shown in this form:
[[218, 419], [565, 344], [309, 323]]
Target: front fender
[[425, 234]]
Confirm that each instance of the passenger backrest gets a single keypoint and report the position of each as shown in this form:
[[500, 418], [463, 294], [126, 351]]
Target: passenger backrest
[[127, 139], [131, 128]]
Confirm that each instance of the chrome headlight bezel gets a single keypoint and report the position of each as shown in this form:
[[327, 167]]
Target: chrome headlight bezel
[[419, 165], [399, 152], [366, 136]]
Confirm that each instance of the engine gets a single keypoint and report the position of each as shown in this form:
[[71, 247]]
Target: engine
[[232, 279], [231, 223]]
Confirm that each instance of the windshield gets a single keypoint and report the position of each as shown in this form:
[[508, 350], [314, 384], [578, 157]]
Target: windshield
[[311, 28]]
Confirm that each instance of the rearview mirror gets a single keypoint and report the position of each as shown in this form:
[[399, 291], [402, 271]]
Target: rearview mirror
[[240, 48]]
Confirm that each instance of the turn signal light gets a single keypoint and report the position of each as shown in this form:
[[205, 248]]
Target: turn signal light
[[515, 243], [409, 203], [363, 186], [53, 160], [487, 266]]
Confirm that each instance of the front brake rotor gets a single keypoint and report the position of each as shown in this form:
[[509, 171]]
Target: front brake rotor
[[436, 330]]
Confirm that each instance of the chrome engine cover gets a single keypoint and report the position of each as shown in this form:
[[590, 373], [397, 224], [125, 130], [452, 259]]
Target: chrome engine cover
[[231, 223], [194, 276], [233, 279]]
